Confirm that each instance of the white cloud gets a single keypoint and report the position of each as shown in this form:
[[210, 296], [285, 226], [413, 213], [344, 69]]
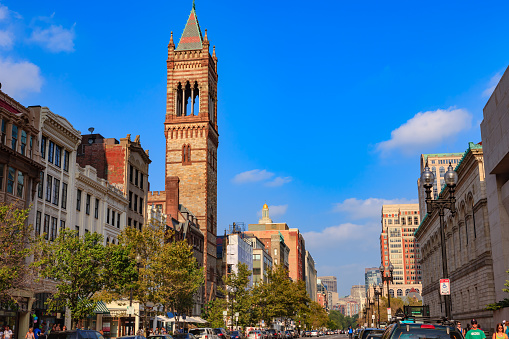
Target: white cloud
[[426, 129], [330, 237], [4, 12], [6, 39], [279, 181], [19, 78], [252, 176], [275, 210], [368, 208], [55, 38], [492, 85]]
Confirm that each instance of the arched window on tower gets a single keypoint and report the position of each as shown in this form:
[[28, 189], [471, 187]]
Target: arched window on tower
[[188, 106], [186, 154], [196, 100], [178, 100]]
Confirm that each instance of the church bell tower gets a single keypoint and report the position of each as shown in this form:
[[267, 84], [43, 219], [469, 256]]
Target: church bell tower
[[192, 136]]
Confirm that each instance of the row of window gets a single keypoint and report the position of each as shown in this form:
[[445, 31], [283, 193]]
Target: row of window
[[52, 190], [49, 227], [17, 135], [109, 211], [135, 177], [15, 180], [445, 161], [133, 203], [55, 153], [134, 224]]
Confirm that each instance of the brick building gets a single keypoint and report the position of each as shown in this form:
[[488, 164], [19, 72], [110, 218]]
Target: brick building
[[191, 133], [124, 164], [397, 242], [270, 233]]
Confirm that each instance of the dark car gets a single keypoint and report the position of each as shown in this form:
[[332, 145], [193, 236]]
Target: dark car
[[160, 336], [367, 331], [407, 330], [236, 335], [76, 334], [183, 336], [221, 333]]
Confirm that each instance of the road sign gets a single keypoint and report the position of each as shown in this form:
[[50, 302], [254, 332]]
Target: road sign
[[130, 310], [225, 313], [445, 287]]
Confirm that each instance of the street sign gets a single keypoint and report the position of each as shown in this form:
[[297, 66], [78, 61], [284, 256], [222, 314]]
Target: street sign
[[130, 310], [225, 313], [445, 287], [236, 314]]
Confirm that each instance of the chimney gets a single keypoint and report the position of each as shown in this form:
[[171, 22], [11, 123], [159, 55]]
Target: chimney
[[172, 196]]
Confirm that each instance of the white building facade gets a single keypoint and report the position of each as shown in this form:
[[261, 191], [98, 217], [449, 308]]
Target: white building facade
[[239, 250]]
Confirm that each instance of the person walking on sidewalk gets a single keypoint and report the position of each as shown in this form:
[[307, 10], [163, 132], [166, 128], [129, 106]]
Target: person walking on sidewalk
[[475, 333], [350, 332], [499, 332]]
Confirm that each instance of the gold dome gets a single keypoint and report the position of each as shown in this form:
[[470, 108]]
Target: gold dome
[[265, 206]]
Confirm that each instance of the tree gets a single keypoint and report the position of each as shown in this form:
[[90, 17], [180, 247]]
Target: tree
[[239, 296], [396, 303], [81, 266], [178, 276], [316, 317], [15, 240]]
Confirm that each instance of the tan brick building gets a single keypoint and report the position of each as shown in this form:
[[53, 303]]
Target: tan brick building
[[192, 135]]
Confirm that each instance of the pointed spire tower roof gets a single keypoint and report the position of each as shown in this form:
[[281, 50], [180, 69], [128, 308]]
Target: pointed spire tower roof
[[191, 37]]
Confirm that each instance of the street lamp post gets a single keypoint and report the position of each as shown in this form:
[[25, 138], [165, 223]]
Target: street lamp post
[[441, 204], [389, 279], [378, 294], [131, 328]]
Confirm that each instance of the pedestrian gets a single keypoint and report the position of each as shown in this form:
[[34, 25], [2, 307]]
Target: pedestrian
[[30, 334], [475, 332], [458, 326], [506, 328], [37, 331], [58, 327], [499, 332], [64, 328], [350, 332], [7, 332]]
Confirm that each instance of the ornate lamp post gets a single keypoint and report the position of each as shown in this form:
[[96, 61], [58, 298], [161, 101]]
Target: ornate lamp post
[[441, 204], [389, 279], [378, 294]]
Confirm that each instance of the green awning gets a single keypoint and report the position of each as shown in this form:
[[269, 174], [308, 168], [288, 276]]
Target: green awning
[[101, 308]]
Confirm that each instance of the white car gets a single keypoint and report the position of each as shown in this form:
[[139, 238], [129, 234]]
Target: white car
[[203, 333], [314, 334]]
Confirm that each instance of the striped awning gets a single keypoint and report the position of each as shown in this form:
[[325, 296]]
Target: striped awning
[[101, 308]]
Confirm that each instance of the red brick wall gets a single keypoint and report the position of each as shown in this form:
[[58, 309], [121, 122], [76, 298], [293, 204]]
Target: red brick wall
[[115, 162]]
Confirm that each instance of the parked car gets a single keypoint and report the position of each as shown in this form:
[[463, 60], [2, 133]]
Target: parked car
[[236, 335], [422, 330], [79, 334], [314, 333], [221, 333], [204, 333], [255, 334], [273, 333], [160, 336]]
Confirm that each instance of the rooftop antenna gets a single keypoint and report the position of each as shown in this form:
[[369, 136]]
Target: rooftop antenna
[[91, 130]]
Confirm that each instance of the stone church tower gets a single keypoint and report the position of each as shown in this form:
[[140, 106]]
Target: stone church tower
[[192, 137]]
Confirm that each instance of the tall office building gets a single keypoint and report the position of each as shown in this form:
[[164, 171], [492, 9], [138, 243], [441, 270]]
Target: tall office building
[[372, 277], [331, 283], [397, 242]]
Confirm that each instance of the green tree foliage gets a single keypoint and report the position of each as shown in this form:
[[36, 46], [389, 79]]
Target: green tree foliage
[[178, 276], [238, 298], [502, 303], [316, 317], [81, 266], [15, 239], [341, 321]]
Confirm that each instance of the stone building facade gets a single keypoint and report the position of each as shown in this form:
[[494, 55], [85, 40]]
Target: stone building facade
[[20, 167], [58, 142], [124, 164], [191, 133], [311, 276], [468, 244], [495, 138]]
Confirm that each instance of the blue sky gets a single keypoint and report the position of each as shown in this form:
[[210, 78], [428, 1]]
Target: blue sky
[[324, 107]]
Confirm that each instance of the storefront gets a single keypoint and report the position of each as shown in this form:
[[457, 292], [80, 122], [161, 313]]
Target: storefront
[[43, 315]]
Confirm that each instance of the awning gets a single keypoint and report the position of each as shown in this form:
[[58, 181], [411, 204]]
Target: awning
[[101, 308]]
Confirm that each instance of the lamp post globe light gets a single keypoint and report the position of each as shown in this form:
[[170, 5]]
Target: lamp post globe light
[[441, 204], [378, 293]]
